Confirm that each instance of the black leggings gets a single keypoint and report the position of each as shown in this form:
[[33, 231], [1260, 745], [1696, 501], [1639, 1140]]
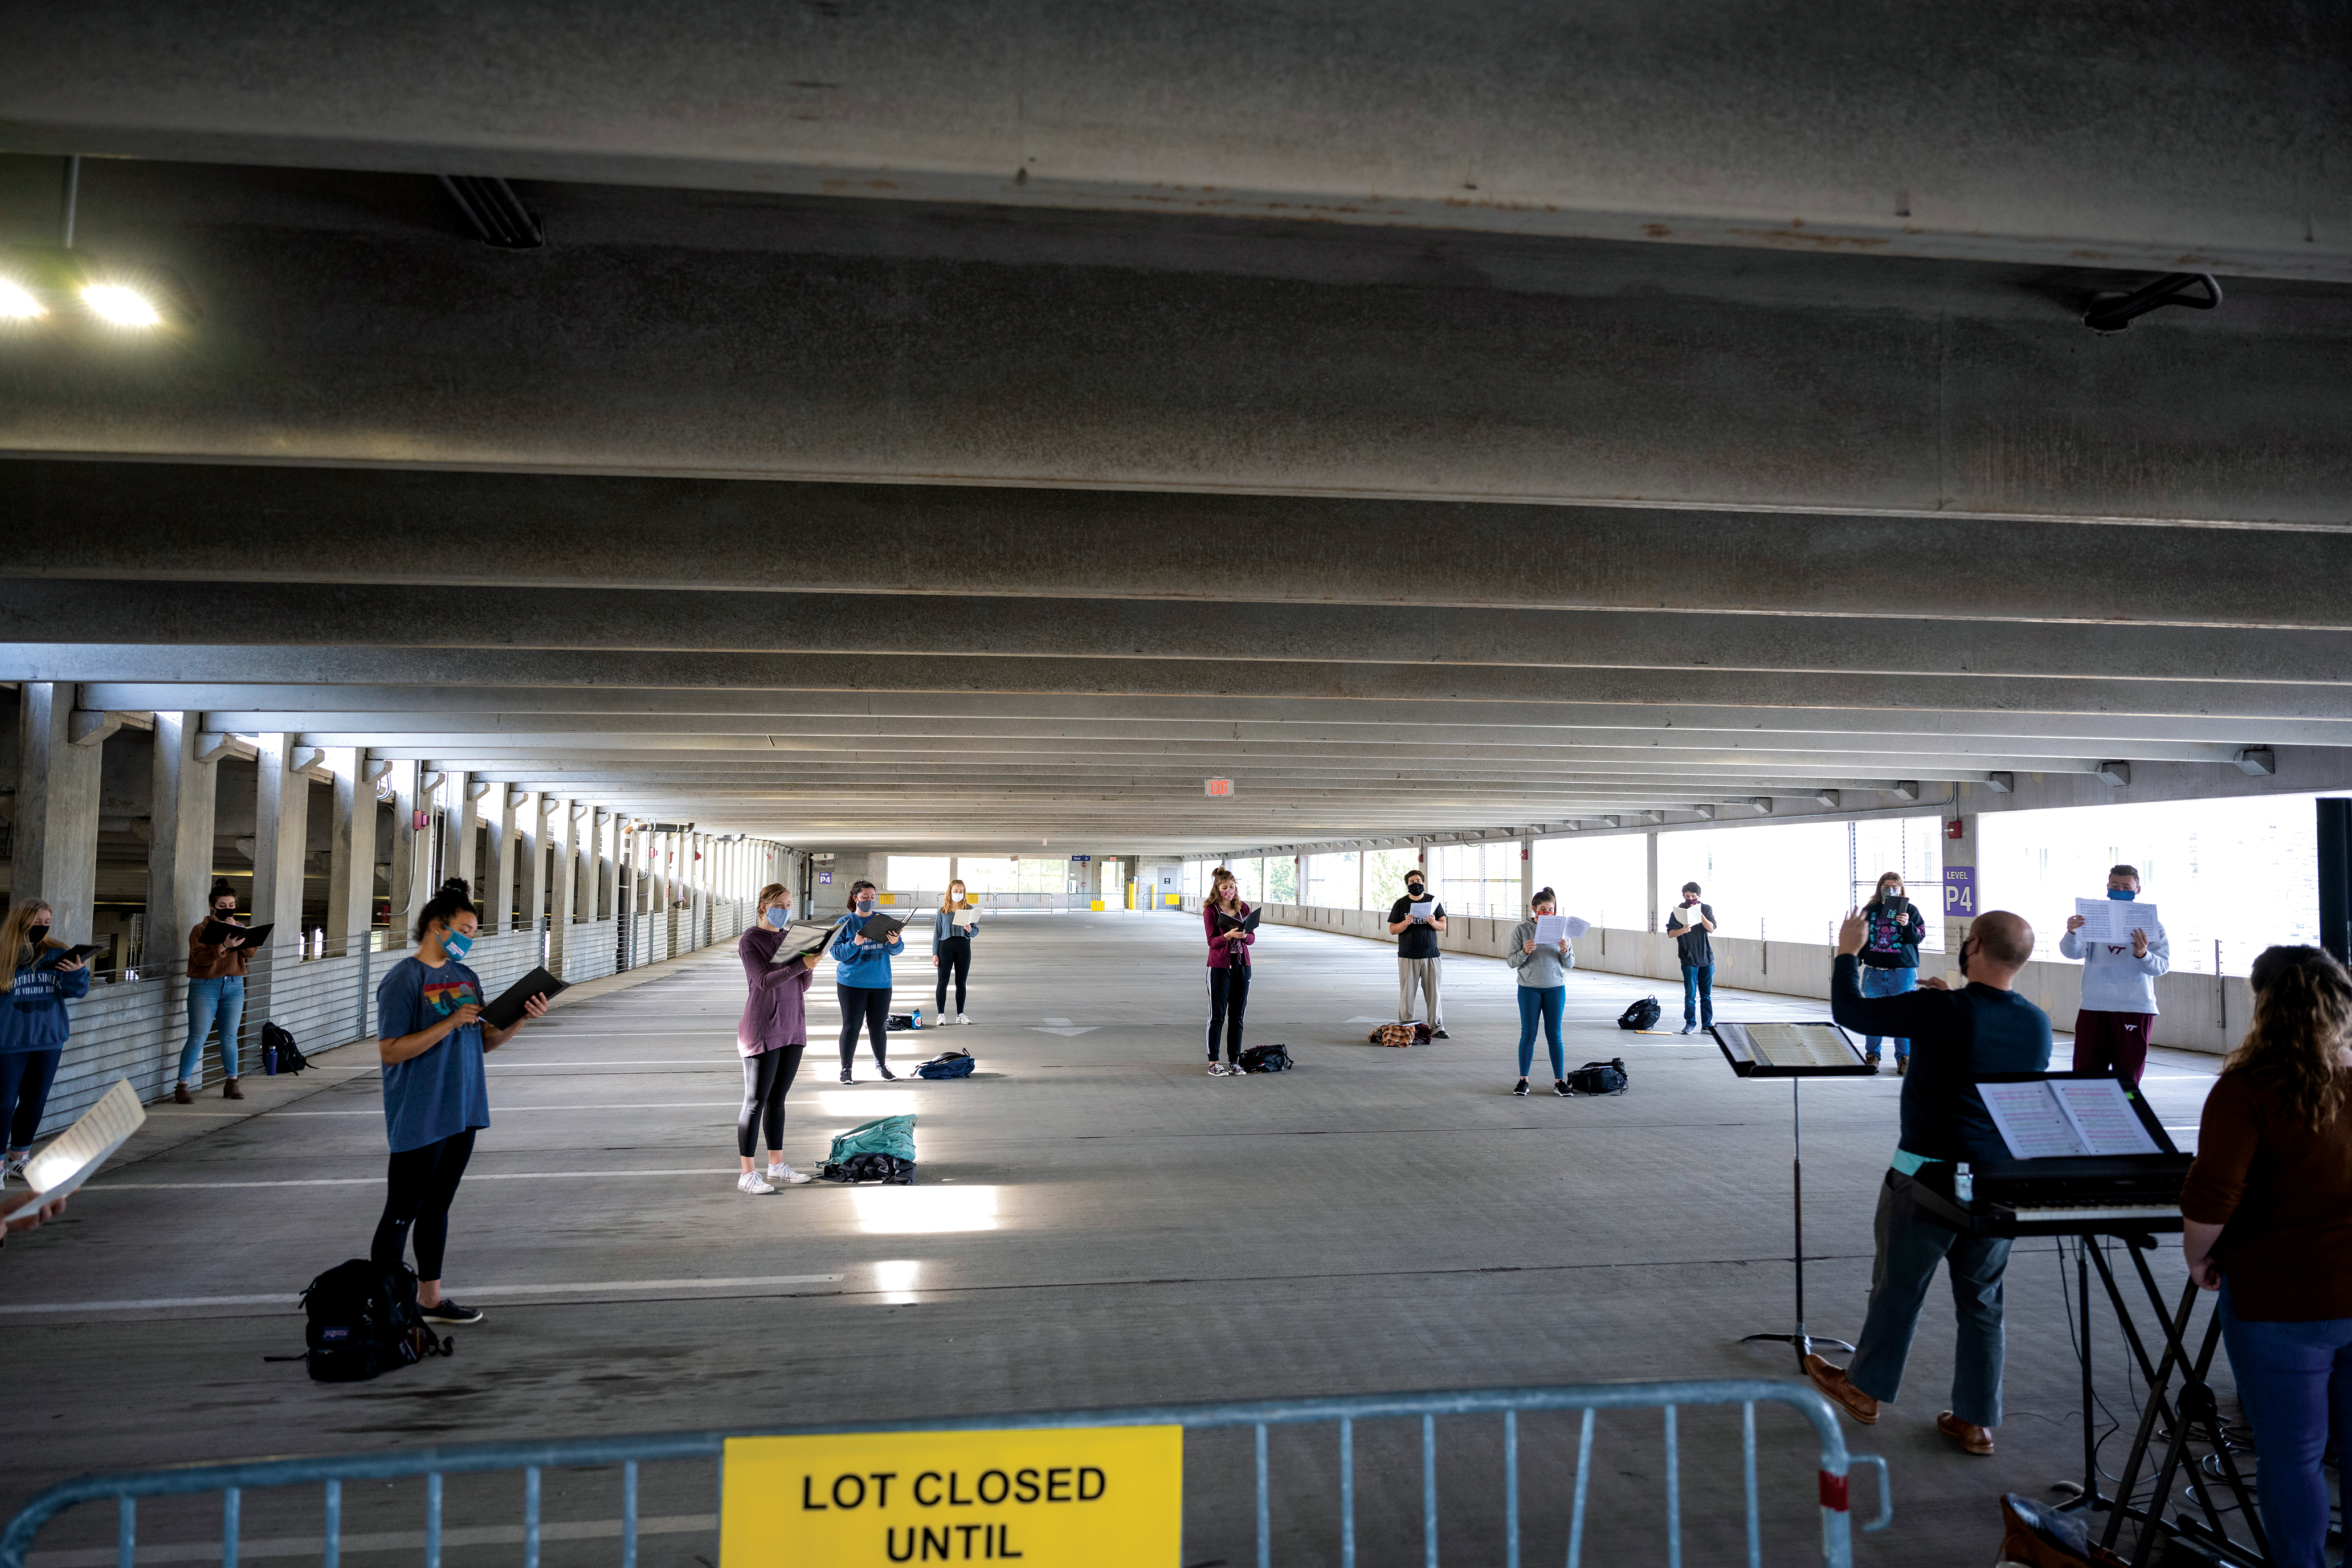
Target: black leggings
[[766, 1078], [1228, 999], [955, 957], [868, 1005], [421, 1184]]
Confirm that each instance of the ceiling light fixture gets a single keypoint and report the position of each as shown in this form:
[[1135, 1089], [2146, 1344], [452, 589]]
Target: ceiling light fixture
[[17, 302]]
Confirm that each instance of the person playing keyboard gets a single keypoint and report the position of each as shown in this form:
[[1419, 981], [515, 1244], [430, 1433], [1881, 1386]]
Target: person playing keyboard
[[1957, 1037]]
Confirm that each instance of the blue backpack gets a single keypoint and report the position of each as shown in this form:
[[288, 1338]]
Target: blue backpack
[[949, 1064]]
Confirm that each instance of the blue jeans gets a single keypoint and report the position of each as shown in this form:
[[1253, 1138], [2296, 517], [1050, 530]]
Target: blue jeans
[[1888, 983], [222, 999], [1698, 991], [1544, 1001], [1910, 1244], [2295, 1382]]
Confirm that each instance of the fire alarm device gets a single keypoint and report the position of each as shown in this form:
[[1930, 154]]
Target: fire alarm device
[[1956, 828], [420, 821]]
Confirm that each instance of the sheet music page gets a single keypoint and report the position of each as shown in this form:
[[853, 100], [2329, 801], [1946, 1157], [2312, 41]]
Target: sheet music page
[[2031, 1120], [1425, 910], [2103, 1116], [1577, 927], [2113, 921], [1801, 1045], [75, 1154], [1550, 929]]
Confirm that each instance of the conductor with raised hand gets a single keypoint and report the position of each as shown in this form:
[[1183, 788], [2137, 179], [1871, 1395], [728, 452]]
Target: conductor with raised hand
[[1957, 1037]]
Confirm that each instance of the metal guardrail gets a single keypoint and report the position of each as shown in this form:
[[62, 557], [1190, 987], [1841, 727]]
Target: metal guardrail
[[232, 1480]]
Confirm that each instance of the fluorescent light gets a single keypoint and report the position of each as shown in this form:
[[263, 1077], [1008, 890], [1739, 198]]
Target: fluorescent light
[[895, 1280], [16, 301], [121, 307], [923, 1210]]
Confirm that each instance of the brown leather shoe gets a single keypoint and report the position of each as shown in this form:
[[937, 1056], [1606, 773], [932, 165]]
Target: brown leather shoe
[[1834, 1383], [1970, 1436], [230, 1091], [180, 1095]]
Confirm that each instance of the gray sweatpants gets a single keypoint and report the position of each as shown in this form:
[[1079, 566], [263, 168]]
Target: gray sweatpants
[[1910, 1246], [1424, 972]]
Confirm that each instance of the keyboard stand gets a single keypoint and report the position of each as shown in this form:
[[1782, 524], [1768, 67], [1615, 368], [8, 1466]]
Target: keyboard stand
[[1802, 1340], [2196, 1416]]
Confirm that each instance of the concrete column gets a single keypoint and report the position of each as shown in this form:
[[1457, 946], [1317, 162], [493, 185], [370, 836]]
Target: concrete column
[[465, 798], [1362, 856], [179, 847], [56, 830], [530, 861], [412, 880], [563, 834], [457, 817], [1527, 873], [282, 839], [1961, 853], [1650, 840], [351, 851], [498, 894]]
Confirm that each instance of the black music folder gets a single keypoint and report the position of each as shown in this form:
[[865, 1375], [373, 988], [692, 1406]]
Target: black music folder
[[64, 955], [881, 928], [504, 1013], [219, 932], [1226, 922]]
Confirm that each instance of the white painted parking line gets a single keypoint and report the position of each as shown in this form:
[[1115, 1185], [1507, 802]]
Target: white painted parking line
[[485, 1292]]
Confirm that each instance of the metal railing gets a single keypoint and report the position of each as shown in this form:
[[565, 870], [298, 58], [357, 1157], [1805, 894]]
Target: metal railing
[[1834, 1465]]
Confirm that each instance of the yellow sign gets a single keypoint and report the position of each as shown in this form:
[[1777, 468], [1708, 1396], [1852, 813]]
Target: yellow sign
[[1106, 1496]]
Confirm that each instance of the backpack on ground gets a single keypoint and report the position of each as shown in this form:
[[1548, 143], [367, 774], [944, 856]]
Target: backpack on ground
[[2039, 1536], [1265, 1058], [363, 1322], [1398, 1035], [901, 1021], [947, 1064], [289, 1054], [1599, 1077], [879, 1151], [1641, 1014]]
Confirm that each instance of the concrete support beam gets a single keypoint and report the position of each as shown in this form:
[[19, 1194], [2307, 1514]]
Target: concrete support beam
[[563, 831], [412, 882], [55, 834], [351, 851], [180, 842], [532, 853], [456, 817], [281, 836]]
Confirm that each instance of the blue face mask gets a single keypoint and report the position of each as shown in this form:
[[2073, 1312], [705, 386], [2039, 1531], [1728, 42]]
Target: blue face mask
[[866, 906], [777, 915], [456, 945], [2122, 895]]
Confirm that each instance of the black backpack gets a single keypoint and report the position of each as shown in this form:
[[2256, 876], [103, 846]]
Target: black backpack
[[947, 1064], [1641, 1014], [363, 1322], [1599, 1077], [887, 1169], [289, 1054], [1265, 1058]]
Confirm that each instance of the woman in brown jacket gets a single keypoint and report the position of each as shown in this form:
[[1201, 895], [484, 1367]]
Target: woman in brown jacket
[[2267, 1219], [216, 995]]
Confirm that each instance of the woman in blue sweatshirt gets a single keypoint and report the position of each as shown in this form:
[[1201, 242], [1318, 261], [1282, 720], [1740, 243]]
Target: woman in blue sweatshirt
[[33, 1022], [861, 979]]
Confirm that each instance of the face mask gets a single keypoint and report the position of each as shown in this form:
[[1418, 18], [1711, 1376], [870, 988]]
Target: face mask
[[1964, 961], [457, 944], [2122, 895], [1414, 888], [1689, 899], [36, 934], [864, 906], [225, 914], [777, 915]]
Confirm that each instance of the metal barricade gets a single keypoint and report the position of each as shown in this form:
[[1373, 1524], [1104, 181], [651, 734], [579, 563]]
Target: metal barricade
[[232, 1480]]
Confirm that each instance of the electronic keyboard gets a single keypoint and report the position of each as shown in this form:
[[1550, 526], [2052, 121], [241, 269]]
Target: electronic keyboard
[[2114, 1194]]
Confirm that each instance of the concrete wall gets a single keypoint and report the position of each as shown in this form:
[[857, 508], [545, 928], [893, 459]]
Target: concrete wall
[[2198, 1012]]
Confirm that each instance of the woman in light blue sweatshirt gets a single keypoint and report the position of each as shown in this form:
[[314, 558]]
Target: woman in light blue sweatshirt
[[861, 980], [1543, 990]]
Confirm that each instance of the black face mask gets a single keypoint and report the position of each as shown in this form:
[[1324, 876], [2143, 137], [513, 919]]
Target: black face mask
[[36, 934], [1964, 961], [1414, 888]]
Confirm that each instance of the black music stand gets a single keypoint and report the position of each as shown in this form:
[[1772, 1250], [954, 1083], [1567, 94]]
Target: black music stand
[[1795, 1051]]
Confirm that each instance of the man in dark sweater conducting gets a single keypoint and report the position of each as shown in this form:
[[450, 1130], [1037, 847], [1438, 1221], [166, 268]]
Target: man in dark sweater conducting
[[1957, 1037]]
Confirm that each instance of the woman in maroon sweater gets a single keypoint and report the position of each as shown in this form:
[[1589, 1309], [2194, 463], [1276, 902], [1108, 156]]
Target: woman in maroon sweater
[[771, 1037], [1229, 971], [2267, 1214]]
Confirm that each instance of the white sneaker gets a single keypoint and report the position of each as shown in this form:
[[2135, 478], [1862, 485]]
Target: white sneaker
[[784, 1177], [750, 1182], [961, 1018]]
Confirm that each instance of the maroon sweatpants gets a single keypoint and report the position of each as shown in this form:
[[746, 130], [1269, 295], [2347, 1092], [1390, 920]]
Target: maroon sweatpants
[[2107, 1041]]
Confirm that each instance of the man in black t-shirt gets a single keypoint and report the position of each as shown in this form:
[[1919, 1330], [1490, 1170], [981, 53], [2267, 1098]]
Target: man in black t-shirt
[[1418, 963], [1688, 924]]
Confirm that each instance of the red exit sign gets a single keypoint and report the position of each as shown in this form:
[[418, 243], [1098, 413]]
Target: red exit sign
[[1220, 786]]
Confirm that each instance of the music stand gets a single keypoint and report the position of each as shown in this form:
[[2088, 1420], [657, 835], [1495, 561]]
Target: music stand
[[1795, 1051]]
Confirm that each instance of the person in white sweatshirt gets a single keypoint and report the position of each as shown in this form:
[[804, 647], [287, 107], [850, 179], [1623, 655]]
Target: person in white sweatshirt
[[2118, 1011]]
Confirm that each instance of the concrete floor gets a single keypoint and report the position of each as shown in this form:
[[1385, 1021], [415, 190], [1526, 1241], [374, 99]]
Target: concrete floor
[[1377, 1220]]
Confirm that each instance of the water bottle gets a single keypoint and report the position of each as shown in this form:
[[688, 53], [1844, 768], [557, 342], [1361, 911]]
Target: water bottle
[[919, 1018], [269, 1061], [1964, 1185]]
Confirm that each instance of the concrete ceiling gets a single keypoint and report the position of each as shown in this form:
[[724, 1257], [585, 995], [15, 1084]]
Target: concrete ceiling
[[896, 443]]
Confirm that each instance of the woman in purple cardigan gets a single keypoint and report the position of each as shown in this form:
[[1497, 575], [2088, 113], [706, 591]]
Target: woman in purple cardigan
[[773, 1033]]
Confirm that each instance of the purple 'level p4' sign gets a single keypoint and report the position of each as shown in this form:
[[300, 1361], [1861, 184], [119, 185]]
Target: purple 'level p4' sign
[[825, 878], [1960, 892]]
